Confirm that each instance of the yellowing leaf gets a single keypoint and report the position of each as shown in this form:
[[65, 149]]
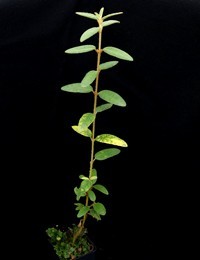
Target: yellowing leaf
[[86, 120], [111, 139], [85, 132]]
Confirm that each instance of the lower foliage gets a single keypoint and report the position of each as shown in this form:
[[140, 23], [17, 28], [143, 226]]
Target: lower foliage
[[62, 242]]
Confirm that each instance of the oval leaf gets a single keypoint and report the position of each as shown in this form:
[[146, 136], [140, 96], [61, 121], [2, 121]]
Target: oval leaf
[[103, 107], [99, 208], [80, 49], [108, 65], [118, 53], [106, 153], [89, 33], [91, 195], [94, 214], [87, 15], [86, 120], [101, 188], [84, 210], [89, 78], [86, 132], [112, 97], [85, 185], [111, 139], [77, 88]]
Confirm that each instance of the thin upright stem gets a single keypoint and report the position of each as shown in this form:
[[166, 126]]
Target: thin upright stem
[[99, 51], [95, 92]]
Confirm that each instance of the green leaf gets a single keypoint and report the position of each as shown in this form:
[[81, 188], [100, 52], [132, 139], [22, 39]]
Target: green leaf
[[84, 210], [106, 153], [79, 193], [99, 208], [89, 33], [86, 185], [80, 49], [108, 65], [76, 88], [103, 107], [101, 188], [111, 139], [91, 195], [87, 15], [86, 120], [93, 177], [118, 53], [78, 206], [107, 23], [89, 78], [112, 97], [109, 15], [94, 214], [82, 177], [85, 132], [94, 173]]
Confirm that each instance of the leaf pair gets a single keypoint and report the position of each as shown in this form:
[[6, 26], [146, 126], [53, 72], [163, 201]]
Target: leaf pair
[[97, 16], [112, 51]]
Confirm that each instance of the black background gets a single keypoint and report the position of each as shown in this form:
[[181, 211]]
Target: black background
[[153, 202]]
